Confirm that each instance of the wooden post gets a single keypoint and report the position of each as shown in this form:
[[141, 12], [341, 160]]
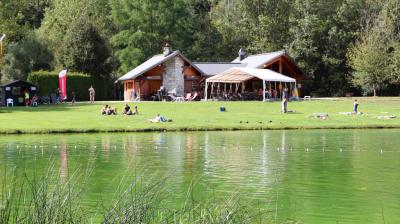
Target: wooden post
[[140, 90]]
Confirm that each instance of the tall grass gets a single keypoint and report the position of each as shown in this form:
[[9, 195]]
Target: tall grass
[[148, 206], [46, 199], [42, 199]]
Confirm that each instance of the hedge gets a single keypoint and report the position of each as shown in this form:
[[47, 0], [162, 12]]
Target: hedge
[[79, 83]]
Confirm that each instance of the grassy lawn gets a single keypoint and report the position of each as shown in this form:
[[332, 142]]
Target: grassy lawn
[[85, 117]]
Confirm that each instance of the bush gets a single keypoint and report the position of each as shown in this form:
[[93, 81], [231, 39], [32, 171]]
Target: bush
[[47, 83]]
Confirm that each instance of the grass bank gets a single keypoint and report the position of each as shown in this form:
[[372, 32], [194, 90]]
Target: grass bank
[[198, 116]]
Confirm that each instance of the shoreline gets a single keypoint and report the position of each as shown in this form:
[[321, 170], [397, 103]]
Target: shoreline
[[158, 130]]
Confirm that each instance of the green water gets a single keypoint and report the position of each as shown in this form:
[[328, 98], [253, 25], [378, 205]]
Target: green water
[[322, 176]]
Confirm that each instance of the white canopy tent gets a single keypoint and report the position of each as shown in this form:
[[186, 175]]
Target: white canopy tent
[[240, 75]]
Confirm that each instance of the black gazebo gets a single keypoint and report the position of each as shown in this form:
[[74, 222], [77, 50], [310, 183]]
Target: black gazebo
[[15, 90]]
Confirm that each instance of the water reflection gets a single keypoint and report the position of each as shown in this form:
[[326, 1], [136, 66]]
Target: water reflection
[[313, 176], [64, 163]]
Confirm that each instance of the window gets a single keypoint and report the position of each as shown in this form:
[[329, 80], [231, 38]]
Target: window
[[129, 85], [16, 91]]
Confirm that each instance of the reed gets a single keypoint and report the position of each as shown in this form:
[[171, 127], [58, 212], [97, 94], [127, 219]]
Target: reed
[[42, 199]]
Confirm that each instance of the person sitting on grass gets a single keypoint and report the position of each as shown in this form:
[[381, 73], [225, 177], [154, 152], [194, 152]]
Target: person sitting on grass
[[34, 101], [159, 119], [104, 110], [127, 110], [112, 111], [136, 112]]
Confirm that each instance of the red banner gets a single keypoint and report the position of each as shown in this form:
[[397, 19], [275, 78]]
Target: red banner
[[62, 84]]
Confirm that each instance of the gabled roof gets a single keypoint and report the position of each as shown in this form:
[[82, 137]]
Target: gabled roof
[[17, 81], [258, 60], [237, 75], [154, 62], [214, 68]]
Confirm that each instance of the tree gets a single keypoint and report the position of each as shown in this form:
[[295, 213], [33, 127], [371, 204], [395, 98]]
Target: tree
[[375, 57], [370, 60], [24, 57], [144, 26], [84, 50], [58, 30]]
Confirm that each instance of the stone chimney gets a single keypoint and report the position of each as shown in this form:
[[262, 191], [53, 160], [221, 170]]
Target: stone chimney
[[167, 49], [242, 54]]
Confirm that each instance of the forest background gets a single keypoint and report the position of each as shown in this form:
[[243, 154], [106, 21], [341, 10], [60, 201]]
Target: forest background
[[343, 46]]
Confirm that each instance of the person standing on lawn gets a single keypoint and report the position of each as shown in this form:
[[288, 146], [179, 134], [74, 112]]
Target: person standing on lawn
[[27, 101], [73, 98], [355, 107], [91, 93]]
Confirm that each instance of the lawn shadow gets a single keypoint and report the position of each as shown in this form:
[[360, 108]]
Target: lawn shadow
[[41, 108], [296, 112], [3, 111]]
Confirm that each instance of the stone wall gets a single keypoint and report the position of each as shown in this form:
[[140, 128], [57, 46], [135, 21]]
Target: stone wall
[[173, 77]]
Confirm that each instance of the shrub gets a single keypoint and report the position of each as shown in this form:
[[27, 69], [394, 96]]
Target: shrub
[[47, 83]]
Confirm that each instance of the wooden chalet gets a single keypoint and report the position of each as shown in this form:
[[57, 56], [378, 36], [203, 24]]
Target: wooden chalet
[[172, 70], [179, 75]]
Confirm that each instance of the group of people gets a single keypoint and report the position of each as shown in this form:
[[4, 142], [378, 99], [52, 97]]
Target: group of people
[[128, 111], [31, 102], [109, 110]]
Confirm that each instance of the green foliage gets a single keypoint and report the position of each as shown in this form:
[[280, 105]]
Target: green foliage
[[85, 50], [144, 26], [105, 37], [76, 82], [80, 39], [23, 57], [369, 59], [375, 56]]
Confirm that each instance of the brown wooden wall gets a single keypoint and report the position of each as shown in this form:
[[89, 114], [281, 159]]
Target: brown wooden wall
[[151, 81], [285, 66]]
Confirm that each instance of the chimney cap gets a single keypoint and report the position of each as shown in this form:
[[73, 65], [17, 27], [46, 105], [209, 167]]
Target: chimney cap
[[167, 49], [242, 54]]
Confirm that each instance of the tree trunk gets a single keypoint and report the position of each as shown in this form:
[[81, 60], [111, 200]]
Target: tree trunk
[[374, 90]]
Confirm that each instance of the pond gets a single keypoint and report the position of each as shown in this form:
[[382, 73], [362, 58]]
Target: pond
[[316, 176]]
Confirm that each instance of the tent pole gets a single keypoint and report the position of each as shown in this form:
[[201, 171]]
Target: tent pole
[[212, 89], [206, 91], [263, 90]]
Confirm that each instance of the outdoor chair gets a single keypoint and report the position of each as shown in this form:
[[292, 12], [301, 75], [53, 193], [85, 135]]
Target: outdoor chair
[[172, 97], [44, 100], [195, 95], [188, 97], [10, 102]]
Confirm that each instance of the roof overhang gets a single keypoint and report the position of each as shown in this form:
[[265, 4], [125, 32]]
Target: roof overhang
[[154, 62], [238, 75]]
